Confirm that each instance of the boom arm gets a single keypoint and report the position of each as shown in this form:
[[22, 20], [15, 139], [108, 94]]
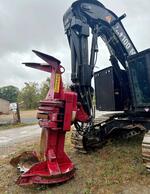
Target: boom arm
[[79, 18]]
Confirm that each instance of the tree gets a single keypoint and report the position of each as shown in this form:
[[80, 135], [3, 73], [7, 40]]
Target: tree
[[9, 93], [44, 88], [29, 96]]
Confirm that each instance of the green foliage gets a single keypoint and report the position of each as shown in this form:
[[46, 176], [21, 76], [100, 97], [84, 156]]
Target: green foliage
[[29, 96], [44, 88], [9, 93]]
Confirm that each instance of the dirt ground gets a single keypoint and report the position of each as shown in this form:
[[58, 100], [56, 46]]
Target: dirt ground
[[115, 169], [27, 116]]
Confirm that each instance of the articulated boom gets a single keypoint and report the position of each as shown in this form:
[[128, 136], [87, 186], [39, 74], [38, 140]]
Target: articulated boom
[[82, 16]]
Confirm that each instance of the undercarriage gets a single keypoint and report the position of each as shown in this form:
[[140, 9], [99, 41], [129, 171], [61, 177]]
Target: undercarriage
[[113, 125]]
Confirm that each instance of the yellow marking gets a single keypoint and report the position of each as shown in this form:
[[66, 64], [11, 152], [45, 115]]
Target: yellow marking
[[57, 83]]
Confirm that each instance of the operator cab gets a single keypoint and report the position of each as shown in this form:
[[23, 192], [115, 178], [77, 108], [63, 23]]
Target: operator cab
[[135, 96]]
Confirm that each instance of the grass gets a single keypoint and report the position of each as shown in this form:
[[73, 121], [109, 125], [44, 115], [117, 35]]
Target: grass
[[11, 126], [115, 168], [23, 113]]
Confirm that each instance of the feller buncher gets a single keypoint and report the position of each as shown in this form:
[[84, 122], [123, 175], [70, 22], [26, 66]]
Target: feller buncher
[[123, 88]]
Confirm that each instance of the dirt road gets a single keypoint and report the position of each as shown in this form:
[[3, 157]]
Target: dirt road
[[11, 137]]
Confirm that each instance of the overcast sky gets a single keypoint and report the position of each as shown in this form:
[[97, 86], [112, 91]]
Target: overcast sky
[[37, 24]]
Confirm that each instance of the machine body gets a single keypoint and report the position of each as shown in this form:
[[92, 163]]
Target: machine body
[[122, 87]]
